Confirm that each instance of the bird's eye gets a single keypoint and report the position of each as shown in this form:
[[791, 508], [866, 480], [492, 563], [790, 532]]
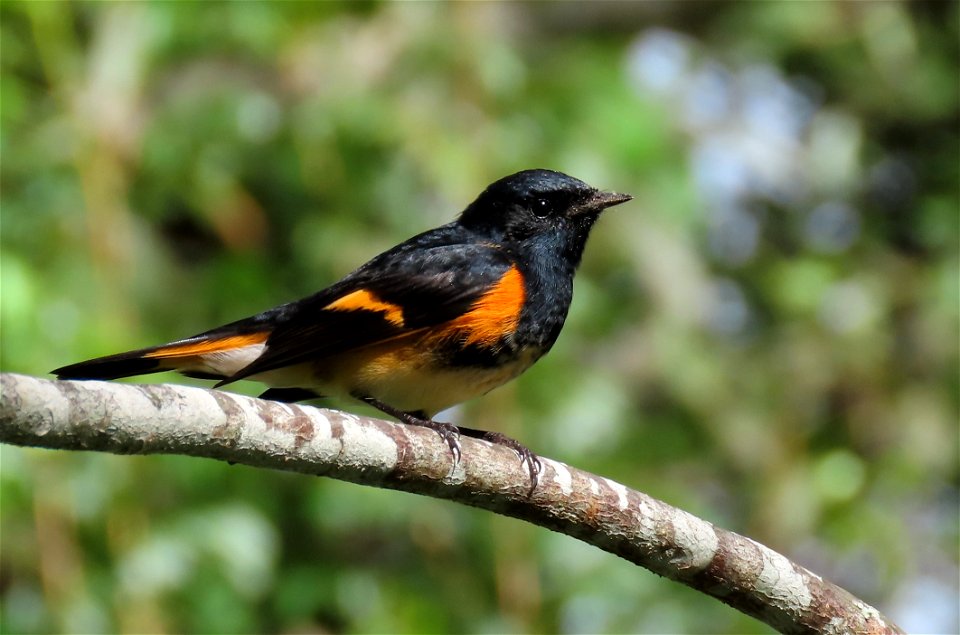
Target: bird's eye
[[541, 208]]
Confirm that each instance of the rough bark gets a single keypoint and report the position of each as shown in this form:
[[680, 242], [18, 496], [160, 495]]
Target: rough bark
[[170, 419]]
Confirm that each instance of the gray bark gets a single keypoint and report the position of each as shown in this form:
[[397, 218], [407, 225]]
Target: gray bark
[[170, 419]]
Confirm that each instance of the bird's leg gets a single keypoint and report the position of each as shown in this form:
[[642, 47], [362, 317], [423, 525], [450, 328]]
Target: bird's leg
[[447, 431], [526, 455]]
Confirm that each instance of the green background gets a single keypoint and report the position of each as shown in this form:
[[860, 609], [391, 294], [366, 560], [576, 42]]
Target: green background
[[767, 336]]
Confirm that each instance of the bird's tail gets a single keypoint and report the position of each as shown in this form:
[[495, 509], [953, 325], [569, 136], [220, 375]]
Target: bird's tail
[[213, 355]]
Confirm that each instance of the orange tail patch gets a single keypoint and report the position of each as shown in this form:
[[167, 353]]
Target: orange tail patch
[[205, 347]]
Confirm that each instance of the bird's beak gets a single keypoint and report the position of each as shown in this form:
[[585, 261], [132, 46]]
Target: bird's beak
[[603, 200], [599, 201]]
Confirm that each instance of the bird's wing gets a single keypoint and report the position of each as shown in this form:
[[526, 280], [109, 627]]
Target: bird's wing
[[472, 291]]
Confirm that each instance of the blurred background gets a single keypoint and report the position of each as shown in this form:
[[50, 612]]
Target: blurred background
[[767, 336]]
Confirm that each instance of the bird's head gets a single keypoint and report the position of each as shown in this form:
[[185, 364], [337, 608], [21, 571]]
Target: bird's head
[[539, 203]]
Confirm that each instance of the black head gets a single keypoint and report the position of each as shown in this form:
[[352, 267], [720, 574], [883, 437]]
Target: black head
[[535, 203]]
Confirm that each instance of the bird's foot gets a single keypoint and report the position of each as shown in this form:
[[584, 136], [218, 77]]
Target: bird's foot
[[451, 434], [527, 457], [447, 431]]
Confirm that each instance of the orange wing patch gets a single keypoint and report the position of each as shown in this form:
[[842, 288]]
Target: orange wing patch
[[364, 300], [495, 314], [206, 347]]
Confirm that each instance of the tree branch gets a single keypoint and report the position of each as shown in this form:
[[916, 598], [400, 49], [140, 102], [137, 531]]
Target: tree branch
[[170, 419]]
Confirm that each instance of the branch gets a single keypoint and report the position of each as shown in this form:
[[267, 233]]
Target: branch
[[170, 419]]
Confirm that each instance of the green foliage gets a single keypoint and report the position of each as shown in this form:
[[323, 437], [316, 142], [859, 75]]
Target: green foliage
[[767, 336]]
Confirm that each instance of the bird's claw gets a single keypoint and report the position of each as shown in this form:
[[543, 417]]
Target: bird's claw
[[451, 434], [526, 456]]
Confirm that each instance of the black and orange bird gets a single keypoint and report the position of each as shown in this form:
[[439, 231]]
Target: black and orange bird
[[439, 319]]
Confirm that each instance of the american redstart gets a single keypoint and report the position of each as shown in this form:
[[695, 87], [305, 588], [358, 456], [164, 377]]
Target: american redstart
[[439, 319]]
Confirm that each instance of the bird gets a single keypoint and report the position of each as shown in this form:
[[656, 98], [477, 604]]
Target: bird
[[439, 319]]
